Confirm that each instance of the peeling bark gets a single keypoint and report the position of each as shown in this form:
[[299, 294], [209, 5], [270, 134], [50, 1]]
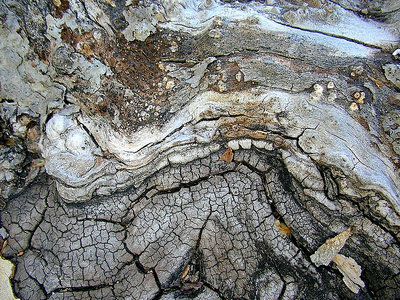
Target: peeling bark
[[200, 149]]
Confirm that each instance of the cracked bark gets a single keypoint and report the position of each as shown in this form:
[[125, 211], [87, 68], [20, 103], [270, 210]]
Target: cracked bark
[[129, 106]]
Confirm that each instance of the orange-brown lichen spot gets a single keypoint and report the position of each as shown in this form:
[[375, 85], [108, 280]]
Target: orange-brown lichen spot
[[230, 78], [86, 50], [241, 127], [283, 229], [59, 7], [362, 122], [5, 141], [227, 156], [377, 82], [67, 36], [185, 272], [84, 43]]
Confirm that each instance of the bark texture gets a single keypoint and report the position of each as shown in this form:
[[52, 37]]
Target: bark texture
[[201, 149]]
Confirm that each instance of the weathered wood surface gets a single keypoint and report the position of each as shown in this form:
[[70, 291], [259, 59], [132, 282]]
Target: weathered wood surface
[[206, 149]]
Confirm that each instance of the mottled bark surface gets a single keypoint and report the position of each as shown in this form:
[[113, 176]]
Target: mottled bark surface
[[200, 149]]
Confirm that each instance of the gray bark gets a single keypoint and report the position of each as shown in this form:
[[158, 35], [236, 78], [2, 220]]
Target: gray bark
[[201, 149]]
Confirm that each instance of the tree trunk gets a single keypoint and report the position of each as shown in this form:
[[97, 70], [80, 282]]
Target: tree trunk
[[201, 149]]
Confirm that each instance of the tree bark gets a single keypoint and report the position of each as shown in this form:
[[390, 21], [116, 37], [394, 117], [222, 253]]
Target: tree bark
[[201, 149]]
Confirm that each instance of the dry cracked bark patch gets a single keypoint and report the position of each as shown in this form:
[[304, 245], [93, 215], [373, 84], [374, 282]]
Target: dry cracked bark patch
[[220, 223], [200, 149]]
